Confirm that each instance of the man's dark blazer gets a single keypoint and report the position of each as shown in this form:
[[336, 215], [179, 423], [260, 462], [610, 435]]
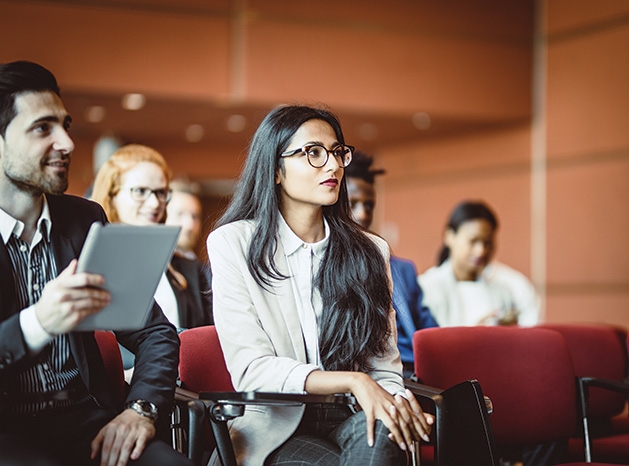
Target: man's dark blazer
[[195, 301], [156, 346]]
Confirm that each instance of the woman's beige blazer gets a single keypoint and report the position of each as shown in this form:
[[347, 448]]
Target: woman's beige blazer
[[261, 337]]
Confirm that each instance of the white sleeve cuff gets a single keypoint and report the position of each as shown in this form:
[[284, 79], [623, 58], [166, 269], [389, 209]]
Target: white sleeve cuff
[[34, 334], [296, 380]]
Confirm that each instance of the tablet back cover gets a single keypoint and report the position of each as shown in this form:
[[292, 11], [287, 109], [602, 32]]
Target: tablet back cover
[[132, 259]]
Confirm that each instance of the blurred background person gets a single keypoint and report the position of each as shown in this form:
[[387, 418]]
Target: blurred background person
[[133, 188], [466, 287], [411, 313], [185, 210]]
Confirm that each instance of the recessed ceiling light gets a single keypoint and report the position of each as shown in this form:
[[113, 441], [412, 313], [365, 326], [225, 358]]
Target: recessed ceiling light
[[236, 123], [95, 114], [421, 120], [133, 101], [368, 131], [194, 133]]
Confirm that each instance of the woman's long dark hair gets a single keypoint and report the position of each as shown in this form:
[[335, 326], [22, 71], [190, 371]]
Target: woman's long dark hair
[[352, 279], [464, 212]]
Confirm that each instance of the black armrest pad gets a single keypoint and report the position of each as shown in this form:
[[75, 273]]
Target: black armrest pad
[[262, 398], [181, 394], [421, 389], [614, 385], [426, 395]]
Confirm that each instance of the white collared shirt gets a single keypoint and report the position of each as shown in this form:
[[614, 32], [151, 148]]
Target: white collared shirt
[[165, 297], [304, 260], [34, 334], [10, 225]]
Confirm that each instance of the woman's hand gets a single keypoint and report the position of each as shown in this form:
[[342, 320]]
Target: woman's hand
[[403, 416]]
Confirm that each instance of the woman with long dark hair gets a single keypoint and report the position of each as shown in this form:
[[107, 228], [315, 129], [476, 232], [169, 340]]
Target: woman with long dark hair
[[302, 304]]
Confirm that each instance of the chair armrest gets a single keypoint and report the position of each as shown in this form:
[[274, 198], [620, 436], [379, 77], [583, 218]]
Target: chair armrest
[[613, 385], [196, 423], [181, 394], [275, 399], [191, 444], [462, 433], [427, 396], [431, 393], [422, 390], [584, 384]]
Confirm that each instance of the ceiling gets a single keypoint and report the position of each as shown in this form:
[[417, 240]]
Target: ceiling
[[165, 122]]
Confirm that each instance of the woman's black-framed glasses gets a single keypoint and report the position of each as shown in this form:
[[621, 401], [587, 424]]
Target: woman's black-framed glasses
[[318, 155], [142, 193]]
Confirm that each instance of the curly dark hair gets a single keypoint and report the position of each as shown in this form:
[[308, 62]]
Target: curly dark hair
[[361, 167]]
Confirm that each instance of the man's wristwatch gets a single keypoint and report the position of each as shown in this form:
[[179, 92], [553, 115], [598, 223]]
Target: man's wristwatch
[[143, 408]]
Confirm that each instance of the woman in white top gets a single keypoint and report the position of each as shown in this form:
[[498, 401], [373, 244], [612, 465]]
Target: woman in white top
[[465, 288], [302, 304]]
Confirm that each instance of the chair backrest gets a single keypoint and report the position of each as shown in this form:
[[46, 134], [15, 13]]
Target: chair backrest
[[201, 361], [110, 354], [526, 372], [598, 350]]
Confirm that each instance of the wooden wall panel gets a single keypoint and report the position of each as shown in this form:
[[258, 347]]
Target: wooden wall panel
[[402, 72], [574, 16], [492, 19], [605, 306], [588, 224], [588, 96], [588, 162], [109, 50]]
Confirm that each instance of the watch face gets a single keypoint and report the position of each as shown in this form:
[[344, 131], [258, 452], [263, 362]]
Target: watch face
[[144, 405], [144, 408]]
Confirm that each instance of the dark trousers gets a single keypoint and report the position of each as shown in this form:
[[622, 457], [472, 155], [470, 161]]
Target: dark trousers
[[64, 440], [336, 437]]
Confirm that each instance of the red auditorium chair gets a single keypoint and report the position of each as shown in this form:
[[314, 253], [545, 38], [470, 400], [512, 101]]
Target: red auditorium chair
[[461, 434], [526, 372], [599, 355], [110, 354]]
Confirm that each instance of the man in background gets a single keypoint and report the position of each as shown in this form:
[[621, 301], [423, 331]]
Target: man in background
[[411, 314], [185, 210]]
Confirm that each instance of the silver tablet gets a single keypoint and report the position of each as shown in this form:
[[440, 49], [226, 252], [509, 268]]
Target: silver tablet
[[132, 259]]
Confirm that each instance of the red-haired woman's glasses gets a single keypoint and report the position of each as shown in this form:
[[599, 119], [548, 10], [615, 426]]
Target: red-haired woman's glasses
[[142, 193]]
